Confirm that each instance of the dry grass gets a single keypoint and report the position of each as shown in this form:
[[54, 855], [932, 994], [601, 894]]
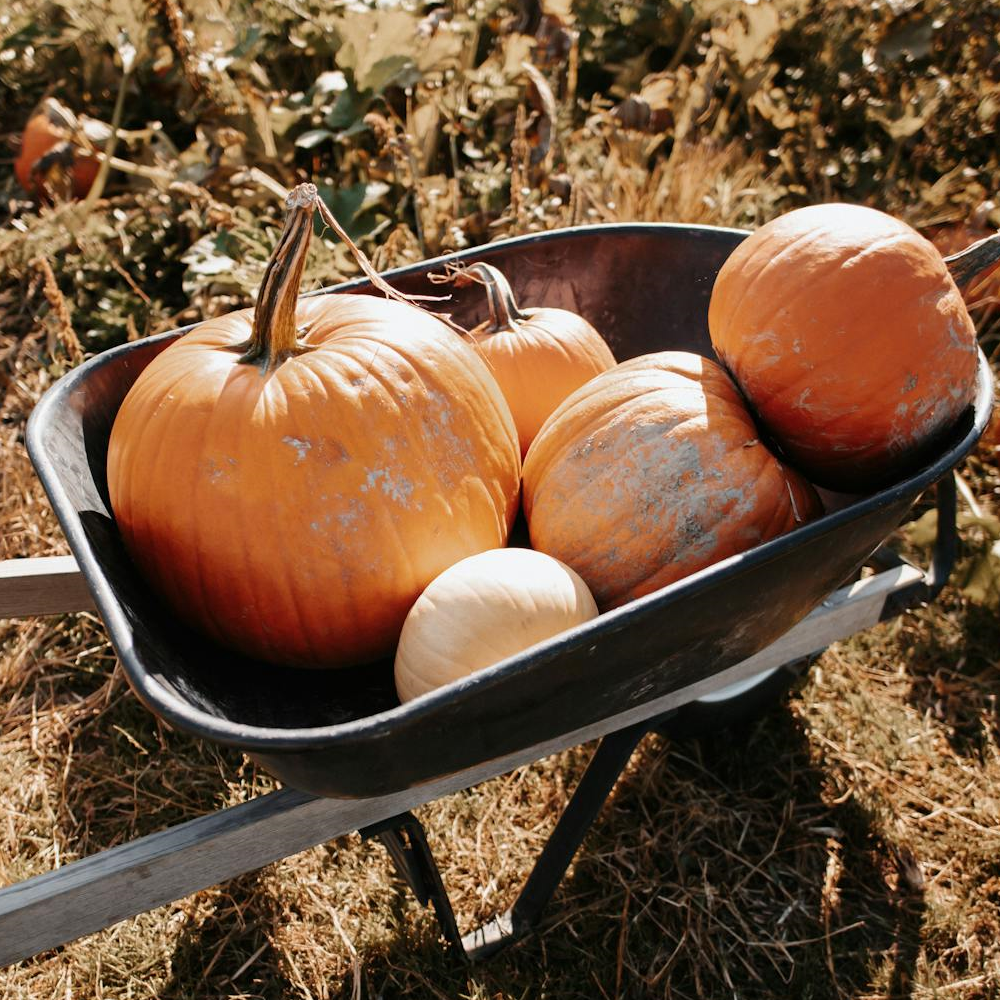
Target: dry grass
[[844, 846]]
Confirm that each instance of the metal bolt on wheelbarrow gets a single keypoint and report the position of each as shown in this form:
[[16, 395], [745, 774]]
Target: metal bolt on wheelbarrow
[[690, 657]]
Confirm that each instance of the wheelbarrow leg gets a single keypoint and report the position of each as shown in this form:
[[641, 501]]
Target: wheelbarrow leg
[[404, 839], [588, 797]]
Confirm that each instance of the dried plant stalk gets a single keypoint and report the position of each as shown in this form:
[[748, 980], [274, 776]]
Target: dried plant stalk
[[57, 303]]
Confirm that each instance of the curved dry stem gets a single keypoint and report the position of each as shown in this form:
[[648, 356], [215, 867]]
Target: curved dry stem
[[504, 311], [377, 280], [974, 262]]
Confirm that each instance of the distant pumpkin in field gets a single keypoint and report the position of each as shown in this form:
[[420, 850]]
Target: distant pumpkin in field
[[48, 163]]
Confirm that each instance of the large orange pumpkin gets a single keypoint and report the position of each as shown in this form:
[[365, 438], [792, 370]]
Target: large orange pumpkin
[[290, 479], [652, 471], [849, 337], [538, 355]]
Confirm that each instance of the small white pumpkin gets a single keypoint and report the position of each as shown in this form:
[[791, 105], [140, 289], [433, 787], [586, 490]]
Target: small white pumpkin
[[483, 609]]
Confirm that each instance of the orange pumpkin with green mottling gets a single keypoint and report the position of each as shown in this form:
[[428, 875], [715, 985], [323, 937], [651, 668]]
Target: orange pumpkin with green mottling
[[652, 471]]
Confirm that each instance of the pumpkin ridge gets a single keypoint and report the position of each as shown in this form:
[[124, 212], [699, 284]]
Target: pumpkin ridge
[[373, 386], [244, 578], [251, 530], [121, 473], [781, 392], [167, 483], [811, 289], [749, 282], [421, 443], [594, 423], [385, 514], [303, 370], [125, 480], [778, 523], [827, 274], [299, 430], [138, 513], [338, 365], [556, 335], [499, 409], [272, 401], [200, 570], [879, 245], [791, 296]]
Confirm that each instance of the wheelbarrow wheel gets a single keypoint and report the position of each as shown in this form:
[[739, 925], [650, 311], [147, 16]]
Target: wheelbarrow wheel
[[737, 705]]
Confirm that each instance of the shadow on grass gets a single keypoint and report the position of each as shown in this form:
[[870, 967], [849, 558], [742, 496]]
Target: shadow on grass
[[716, 869], [225, 952], [142, 776], [952, 660]]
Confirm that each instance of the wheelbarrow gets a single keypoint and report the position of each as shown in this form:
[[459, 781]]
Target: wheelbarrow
[[691, 657]]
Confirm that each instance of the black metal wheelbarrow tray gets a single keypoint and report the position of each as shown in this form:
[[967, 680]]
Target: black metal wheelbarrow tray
[[695, 651]]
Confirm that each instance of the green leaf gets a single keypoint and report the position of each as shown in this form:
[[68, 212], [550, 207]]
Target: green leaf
[[246, 40], [982, 582], [313, 138], [398, 70], [923, 531], [349, 108], [225, 243], [355, 128], [382, 48]]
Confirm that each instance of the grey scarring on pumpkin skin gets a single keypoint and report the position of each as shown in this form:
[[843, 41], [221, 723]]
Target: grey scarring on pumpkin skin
[[399, 489], [684, 460], [301, 446]]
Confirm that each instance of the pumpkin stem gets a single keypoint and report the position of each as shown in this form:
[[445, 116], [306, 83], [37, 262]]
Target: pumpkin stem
[[504, 311], [974, 262], [275, 338]]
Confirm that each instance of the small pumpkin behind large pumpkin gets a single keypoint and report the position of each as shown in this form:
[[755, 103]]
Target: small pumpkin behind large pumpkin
[[654, 470], [538, 355], [290, 478]]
